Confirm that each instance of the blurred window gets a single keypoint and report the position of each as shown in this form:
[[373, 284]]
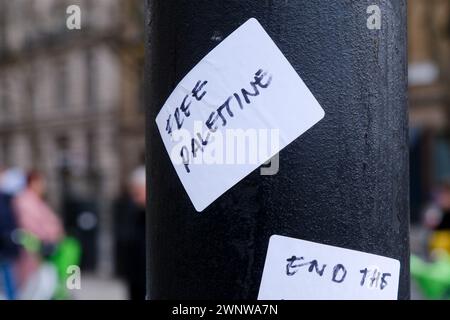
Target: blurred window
[[442, 159], [61, 84], [5, 151], [4, 97], [90, 136], [87, 14], [63, 147], [3, 25], [141, 102], [59, 15], [91, 77], [31, 24], [30, 88]]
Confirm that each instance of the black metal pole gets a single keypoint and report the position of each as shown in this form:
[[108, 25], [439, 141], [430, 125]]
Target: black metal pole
[[344, 183]]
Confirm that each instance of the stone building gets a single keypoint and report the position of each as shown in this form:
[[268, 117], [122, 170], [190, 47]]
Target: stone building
[[70, 102], [429, 88]]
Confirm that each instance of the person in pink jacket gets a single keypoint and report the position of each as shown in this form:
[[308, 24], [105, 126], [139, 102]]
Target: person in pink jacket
[[35, 217]]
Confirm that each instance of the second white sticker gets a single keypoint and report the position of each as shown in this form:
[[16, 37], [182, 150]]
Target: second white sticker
[[302, 270]]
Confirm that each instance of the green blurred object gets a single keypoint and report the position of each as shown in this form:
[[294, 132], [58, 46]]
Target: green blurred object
[[432, 278], [67, 254], [29, 241]]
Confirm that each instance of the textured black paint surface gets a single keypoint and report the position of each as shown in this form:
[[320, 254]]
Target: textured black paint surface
[[343, 183]]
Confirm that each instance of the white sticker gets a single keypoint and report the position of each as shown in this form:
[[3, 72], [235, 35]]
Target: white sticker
[[303, 270], [236, 109]]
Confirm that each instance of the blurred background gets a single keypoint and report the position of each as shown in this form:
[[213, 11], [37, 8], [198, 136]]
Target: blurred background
[[71, 108], [71, 111], [429, 119]]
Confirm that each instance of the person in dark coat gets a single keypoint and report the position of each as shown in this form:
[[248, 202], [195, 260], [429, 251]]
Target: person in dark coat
[[130, 235]]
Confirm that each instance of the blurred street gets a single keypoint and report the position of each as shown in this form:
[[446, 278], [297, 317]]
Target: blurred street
[[95, 288]]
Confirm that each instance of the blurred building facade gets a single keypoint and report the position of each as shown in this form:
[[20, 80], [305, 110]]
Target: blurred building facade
[[71, 106], [429, 92]]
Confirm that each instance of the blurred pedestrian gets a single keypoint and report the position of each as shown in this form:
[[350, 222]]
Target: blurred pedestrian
[[7, 223], [437, 217], [131, 241], [444, 204], [8, 249], [34, 217]]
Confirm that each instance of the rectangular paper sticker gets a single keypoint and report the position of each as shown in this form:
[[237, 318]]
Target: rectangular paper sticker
[[236, 109], [303, 270]]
